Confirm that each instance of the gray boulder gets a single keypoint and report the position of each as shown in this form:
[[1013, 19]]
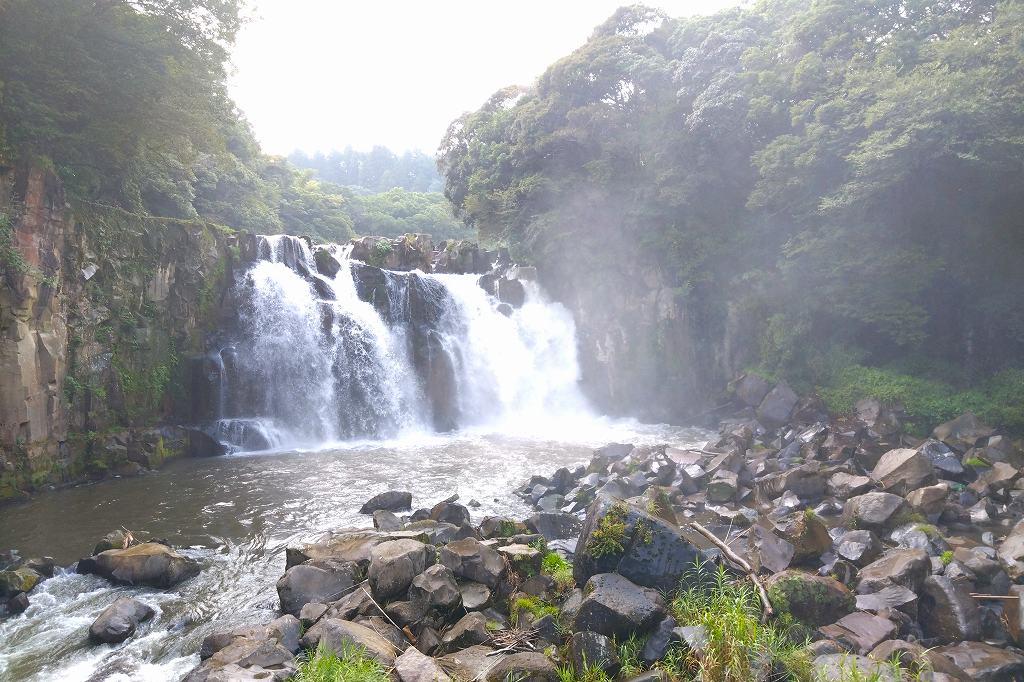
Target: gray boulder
[[323, 582], [874, 511], [413, 666], [593, 650], [472, 560], [394, 564], [436, 588], [391, 500], [524, 667], [776, 407], [615, 607], [902, 470], [119, 621], [947, 611], [150, 564]]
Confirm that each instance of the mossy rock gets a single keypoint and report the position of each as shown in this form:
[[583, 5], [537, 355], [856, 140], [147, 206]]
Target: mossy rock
[[811, 600], [18, 581]]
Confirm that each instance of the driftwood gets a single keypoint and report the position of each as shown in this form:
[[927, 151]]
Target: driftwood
[[513, 641], [742, 564]]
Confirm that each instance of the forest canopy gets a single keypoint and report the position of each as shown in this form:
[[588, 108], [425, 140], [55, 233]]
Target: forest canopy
[[850, 173]]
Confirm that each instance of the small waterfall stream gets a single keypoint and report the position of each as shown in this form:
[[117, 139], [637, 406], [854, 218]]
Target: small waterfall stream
[[371, 354]]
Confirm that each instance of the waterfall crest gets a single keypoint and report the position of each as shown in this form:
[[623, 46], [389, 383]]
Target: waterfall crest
[[368, 353]]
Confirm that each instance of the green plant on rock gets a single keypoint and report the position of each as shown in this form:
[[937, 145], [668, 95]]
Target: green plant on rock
[[947, 557], [560, 571], [630, 664], [536, 607], [351, 665], [592, 673], [609, 538], [739, 646], [976, 462]]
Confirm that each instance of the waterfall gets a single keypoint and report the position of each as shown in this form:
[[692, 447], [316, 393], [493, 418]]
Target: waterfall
[[371, 354]]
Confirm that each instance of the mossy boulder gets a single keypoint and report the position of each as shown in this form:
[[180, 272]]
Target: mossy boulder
[[811, 600], [17, 581]]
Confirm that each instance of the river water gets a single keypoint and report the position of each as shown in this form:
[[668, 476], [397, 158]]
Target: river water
[[236, 514]]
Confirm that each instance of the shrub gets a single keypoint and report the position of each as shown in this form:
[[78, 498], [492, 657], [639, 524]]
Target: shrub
[[610, 535], [352, 665], [559, 569]]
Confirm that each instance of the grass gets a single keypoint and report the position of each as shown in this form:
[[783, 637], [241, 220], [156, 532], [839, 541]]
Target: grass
[[977, 463], [850, 672], [629, 656], [592, 673], [351, 665], [947, 557], [739, 646], [560, 571], [609, 538], [538, 608]]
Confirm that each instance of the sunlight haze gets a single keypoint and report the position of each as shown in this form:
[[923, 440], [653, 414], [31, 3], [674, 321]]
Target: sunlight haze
[[318, 75]]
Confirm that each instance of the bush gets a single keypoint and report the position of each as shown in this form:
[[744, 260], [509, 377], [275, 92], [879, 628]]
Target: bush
[[352, 665], [559, 569]]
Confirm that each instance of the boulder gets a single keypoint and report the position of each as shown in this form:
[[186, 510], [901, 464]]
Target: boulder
[[813, 600], [807, 482], [150, 564], [342, 546], [472, 560], [323, 582], [472, 663], [394, 564], [947, 611], [844, 667], [964, 432], [119, 621], [390, 500], [18, 581], [386, 521], [555, 525], [334, 635], [905, 567], [902, 470], [984, 662], [202, 444], [622, 538], [859, 547], [474, 595], [1011, 552], [845, 486], [436, 588], [615, 607], [524, 667], [413, 666], [593, 650], [751, 389], [469, 630], [767, 550], [860, 631], [512, 292], [777, 405], [929, 500], [450, 512], [723, 486], [808, 535], [873, 511]]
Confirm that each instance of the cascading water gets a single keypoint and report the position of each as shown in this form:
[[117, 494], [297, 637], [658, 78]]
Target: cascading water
[[370, 353]]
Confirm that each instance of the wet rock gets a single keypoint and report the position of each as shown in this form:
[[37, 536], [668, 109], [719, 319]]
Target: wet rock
[[469, 630], [436, 587], [590, 650], [615, 607], [394, 564], [323, 583], [964, 432], [119, 621], [1011, 552], [807, 482], [311, 613], [555, 525], [892, 597], [390, 500], [859, 547], [386, 521], [620, 537], [767, 550], [906, 567], [474, 561], [751, 389], [511, 291], [996, 481], [845, 486], [335, 634], [341, 546], [524, 667], [872, 510], [861, 632], [777, 405], [842, 667], [150, 564], [984, 662], [14, 605], [947, 610], [813, 600], [944, 460], [808, 535], [13, 583], [413, 666], [722, 487], [902, 470]]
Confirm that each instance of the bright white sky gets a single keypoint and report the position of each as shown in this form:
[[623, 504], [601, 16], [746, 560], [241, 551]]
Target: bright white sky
[[319, 75]]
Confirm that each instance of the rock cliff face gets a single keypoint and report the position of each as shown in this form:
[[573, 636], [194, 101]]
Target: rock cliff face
[[97, 308]]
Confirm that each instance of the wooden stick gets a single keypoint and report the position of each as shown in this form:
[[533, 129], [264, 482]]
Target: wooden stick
[[736, 559], [412, 640]]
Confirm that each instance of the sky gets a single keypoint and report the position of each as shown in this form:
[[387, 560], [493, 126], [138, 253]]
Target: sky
[[318, 75]]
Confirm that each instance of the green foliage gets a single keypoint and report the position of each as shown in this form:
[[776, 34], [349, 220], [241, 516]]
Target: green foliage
[[376, 171], [739, 646], [947, 557], [351, 665], [977, 462], [536, 607], [560, 571], [398, 212], [609, 538], [849, 671], [592, 673], [629, 656], [11, 259]]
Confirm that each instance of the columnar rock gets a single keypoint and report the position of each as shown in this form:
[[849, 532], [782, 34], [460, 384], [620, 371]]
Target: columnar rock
[[473, 560], [902, 470], [394, 564], [615, 607]]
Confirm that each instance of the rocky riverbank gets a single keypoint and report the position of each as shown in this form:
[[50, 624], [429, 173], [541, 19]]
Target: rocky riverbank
[[848, 548]]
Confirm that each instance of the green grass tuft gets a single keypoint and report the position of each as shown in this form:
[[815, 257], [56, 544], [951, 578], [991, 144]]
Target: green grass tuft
[[351, 665], [560, 571]]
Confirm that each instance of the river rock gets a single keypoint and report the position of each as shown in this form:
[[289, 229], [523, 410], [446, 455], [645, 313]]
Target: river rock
[[18, 581], [845, 486], [902, 470], [469, 630], [413, 666], [334, 634], [806, 482], [150, 564], [808, 535], [615, 607], [524, 667], [436, 588], [593, 650], [394, 564], [906, 567], [119, 621], [929, 500], [390, 500], [777, 405], [813, 600], [450, 512], [859, 547], [984, 662], [751, 389], [947, 611], [872, 510], [202, 444], [555, 525], [340, 546], [843, 667], [860, 631], [653, 553], [321, 582], [472, 560], [963, 432]]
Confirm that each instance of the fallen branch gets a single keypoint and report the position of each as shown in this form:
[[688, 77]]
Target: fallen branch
[[742, 564], [408, 635], [514, 640]]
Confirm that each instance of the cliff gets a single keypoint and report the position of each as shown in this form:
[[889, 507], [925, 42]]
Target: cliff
[[97, 308]]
